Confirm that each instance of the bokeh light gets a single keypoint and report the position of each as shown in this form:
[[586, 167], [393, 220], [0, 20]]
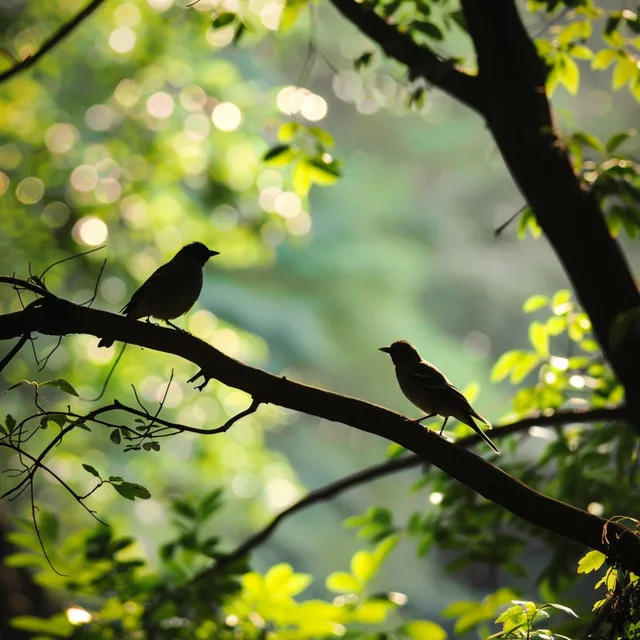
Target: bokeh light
[[122, 40], [55, 214], [160, 105], [160, 5], [84, 178], [4, 182], [30, 190], [77, 615], [226, 116], [60, 137], [90, 230]]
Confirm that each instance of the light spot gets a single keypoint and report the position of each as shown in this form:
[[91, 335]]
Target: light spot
[[122, 40], [127, 92], [596, 509], [270, 15], [10, 156], [99, 117], [220, 37], [313, 107], [227, 341], [300, 225], [160, 105], [148, 510], [108, 191], [4, 183], [267, 198], [30, 190], [55, 214], [77, 615], [160, 5], [550, 377], [203, 324], [397, 598], [226, 116], [60, 137], [577, 382], [169, 239], [90, 230], [280, 493], [135, 211], [127, 14], [84, 178], [287, 204], [197, 127], [557, 362], [113, 290], [436, 497], [290, 99]]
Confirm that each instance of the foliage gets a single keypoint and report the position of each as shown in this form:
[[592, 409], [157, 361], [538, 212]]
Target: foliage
[[176, 145]]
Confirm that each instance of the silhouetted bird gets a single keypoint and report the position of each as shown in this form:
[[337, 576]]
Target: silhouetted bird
[[428, 388], [171, 290]]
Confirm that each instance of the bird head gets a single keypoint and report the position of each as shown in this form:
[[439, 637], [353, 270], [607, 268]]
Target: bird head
[[197, 252], [401, 351]]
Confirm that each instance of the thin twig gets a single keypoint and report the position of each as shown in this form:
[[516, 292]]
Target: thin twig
[[14, 350], [52, 41]]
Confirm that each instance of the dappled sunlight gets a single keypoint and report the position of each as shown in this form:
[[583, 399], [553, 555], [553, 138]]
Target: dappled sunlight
[[280, 493], [122, 40], [76, 615], [91, 231], [226, 116], [30, 190]]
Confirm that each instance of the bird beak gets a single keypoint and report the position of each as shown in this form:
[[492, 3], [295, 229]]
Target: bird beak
[[385, 349], [213, 253]]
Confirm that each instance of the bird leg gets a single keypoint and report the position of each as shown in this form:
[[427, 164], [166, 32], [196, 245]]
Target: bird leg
[[419, 420], [443, 424], [176, 327]]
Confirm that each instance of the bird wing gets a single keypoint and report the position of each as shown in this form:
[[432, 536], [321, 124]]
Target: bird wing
[[142, 291], [433, 380]]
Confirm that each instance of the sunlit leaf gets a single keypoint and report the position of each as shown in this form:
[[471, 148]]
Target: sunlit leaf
[[423, 630]]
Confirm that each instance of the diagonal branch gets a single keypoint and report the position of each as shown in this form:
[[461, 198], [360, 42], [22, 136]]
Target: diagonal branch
[[54, 316], [419, 59], [53, 40], [389, 467]]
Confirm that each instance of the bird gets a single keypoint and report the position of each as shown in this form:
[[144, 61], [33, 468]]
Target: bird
[[429, 389], [171, 290]]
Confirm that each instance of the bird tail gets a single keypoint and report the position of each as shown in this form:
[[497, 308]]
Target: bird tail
[[482, 419], [105, 343], [480, 432]]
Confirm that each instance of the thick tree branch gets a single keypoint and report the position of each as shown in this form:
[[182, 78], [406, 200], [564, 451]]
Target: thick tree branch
[[52, 41], [419, 59], [53, 316], [389, 467], [518, 113]]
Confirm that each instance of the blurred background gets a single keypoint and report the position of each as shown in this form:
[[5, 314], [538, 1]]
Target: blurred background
[[143, 131]]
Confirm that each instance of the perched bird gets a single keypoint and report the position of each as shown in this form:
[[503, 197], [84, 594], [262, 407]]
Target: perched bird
[[428, 388], [171, 290]]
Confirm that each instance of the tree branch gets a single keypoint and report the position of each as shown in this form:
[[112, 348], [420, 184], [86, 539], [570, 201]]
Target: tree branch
[[419, 59], [54, 316], [389, 467], [55, 39]]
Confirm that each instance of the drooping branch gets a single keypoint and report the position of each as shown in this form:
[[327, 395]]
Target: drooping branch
[[51, 42], [419, 59], [390, 467], [54, 316]]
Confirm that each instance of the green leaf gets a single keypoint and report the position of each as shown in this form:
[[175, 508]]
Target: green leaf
[[10, 421], [569, 74], [502, 368], [428, 28], [322, 136], [618, 138], [524, 366], [281, 155], [534, 303], [603, 59], [395, 450], [539, 339], [57, 625], [288, 131], [223, 19], [62, 385], [625, 70], [131, 491], [363, 60], [342, 582], [321, 172], [423, 630], [88, 468], [19, 384], [563, 608], [581, 52], [363, 566], [115, 437], [301, 179], [210, 503], [588, 140]]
